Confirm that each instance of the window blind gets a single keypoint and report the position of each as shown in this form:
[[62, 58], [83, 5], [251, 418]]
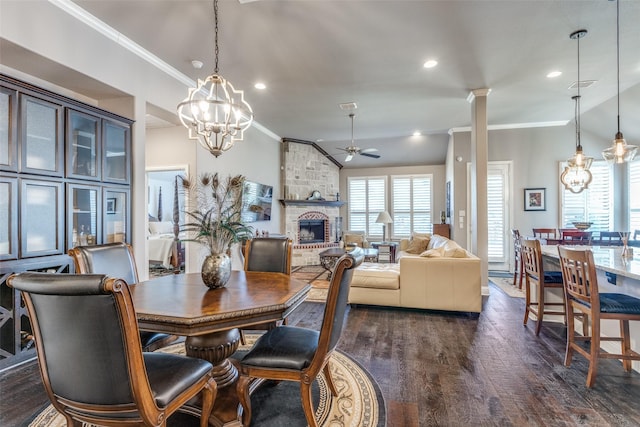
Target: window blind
[[594, 204], [367, 198], [412, 204], [634, 196]]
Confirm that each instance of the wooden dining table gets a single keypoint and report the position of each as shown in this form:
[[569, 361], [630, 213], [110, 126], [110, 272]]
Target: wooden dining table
[[209, 319]]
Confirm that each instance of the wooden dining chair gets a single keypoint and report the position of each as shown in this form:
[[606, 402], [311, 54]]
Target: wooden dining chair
[[270, 254], [610, 238], [545, 233], [576, 237], [299, 354], [582, 295], [117, 260], [543, 280], [518, 264], [90, 356]]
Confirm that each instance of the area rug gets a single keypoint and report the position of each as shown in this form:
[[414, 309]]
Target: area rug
[[359, 401], [506, 285], [316, 276]]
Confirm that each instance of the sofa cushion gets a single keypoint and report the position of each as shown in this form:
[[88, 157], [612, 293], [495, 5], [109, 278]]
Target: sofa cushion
[[456, 253], [437, 241], [421, 235], [433, 253], [378, 276], [417, 245]]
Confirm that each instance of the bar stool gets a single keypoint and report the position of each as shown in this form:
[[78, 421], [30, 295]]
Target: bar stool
[[535, 274], [545, 233], [518, 267], [582, 294]]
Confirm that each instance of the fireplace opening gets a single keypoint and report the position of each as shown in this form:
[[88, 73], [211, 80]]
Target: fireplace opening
[[311, 231]]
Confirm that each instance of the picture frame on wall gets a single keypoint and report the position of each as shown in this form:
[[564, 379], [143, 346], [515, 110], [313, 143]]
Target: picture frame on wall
[[535, 199]]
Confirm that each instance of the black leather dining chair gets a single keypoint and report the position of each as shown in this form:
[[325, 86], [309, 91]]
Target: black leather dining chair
[[117, 260], [299, 354], [91, 360]]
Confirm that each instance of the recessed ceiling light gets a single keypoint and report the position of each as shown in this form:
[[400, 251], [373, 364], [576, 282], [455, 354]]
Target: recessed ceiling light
[[260, 86], [553, 74], [430, 63], [417, 133]]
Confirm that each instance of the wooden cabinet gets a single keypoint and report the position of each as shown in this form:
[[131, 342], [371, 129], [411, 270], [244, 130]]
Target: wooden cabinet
[[441, 230], [65, 172]]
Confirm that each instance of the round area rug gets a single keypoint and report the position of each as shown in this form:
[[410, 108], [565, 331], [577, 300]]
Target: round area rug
[[359, 402]]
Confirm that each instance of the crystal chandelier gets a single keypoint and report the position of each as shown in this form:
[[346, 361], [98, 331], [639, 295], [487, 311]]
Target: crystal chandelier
[[215, 113], [620, 151], [576, 175]]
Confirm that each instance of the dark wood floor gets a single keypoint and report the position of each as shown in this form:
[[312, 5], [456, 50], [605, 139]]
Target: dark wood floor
[[439, 369]]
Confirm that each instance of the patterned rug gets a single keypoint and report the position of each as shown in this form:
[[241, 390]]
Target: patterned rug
[[359, 401], [317, 276], [506, 285]]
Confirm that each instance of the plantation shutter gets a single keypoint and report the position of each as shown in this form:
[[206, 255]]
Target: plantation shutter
[[496, 184], [634, 196], [367, 198], [412, 201], [594, 204]]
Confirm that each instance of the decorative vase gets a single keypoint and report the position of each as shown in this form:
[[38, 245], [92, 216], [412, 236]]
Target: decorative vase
[[216, 270]]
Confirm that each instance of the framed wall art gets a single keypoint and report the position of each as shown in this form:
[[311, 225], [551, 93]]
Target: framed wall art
[[535, 199]]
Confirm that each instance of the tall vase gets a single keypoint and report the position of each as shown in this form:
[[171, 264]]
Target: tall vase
[[216, 270]]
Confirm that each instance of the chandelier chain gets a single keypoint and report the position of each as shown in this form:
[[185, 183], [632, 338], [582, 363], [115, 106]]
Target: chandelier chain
[[618, 55], [217, 50]]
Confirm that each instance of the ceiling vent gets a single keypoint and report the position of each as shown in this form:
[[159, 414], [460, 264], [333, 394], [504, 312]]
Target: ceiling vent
[[348, 106], [583, 84]]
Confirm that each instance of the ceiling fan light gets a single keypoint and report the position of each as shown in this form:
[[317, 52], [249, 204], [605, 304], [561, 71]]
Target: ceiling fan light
[[349, 157]]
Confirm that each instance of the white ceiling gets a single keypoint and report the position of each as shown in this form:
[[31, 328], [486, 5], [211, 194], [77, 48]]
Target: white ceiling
[[316, 54]]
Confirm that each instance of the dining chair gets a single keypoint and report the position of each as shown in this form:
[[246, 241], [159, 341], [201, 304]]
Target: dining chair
[[91, 359], [545, 233], [117, 260], [269, 254], [299, 354], [610, 238], [576, 237], [543, 280], [518, 267], [582, 295]]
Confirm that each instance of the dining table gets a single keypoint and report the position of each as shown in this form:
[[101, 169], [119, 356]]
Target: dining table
[[182, 304]]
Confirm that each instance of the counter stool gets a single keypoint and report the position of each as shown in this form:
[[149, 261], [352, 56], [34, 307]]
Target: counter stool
[[518, 265], [535, 274]]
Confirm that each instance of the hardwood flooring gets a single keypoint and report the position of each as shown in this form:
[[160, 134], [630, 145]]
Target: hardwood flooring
[[443, 369]]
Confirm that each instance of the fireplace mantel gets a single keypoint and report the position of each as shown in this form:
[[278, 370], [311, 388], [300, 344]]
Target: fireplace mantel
[[291, 202]]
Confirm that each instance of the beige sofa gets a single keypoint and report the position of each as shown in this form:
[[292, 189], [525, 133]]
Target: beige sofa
[[433, 273]]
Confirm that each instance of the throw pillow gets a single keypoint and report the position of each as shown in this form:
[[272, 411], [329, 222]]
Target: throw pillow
[[421, 235], [455, 253], [433, 253], [417, 245]]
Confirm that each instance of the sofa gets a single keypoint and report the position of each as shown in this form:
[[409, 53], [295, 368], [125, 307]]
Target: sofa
[[432, 272]]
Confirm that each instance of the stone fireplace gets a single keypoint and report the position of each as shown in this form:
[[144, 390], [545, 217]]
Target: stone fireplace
[[313, 227]]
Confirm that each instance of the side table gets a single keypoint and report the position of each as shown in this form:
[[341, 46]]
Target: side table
[[386, 251]]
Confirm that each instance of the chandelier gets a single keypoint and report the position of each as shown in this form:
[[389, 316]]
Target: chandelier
[[620, 151], [576, 175], [215, 113]]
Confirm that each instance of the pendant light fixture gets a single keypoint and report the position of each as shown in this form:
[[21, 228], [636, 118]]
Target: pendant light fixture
[[576, 175], [215, 113], [620, 151]]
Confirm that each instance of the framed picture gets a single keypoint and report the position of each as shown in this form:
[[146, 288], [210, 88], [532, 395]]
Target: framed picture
[[535, 199], [111, 206]]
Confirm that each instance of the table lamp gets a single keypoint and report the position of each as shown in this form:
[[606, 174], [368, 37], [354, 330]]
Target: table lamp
[[384, 218]]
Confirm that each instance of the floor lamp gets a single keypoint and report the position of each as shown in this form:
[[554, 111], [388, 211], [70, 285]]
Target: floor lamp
[[384, 218]]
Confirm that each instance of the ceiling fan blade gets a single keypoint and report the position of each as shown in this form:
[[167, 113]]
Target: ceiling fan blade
[[368, 150], [375, 156], [349, 157]]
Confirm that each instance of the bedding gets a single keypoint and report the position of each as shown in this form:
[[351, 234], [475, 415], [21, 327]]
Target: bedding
[[160, 241]]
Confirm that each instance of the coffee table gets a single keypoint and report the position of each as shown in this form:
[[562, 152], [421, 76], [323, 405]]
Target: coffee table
[[329, 257]]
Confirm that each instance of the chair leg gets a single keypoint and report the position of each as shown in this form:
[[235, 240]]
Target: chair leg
[[242, 389], [329, 378], [568, 355], [527, 300], [242, 339], [307, 404], [594, 353], [540, 308], [626, 344], [521, 273], [209, 393]]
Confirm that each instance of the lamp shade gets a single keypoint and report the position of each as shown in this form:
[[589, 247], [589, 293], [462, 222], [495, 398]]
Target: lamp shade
[[384, 218]]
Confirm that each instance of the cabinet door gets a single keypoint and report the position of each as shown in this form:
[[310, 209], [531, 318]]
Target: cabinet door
[[83, 211], [8, 130], [41, 218], [8, 218], [116, 139], [116, 226], [83, 146], [41, 136]]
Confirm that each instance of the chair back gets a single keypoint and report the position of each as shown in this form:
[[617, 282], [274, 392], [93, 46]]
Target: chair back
[[610, 238], [532, 258], [86, 337], [336, 306], [271, 254], [114, 259], [515, 234], [579, 276], [576, 236], [636, 234], [545, 233]]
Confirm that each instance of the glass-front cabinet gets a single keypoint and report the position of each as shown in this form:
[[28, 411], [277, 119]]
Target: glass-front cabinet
[[83, 208], [8, 129], [83, 149], [8, 217], [41, 136], [116, 157], [116, 219], [41, 218]]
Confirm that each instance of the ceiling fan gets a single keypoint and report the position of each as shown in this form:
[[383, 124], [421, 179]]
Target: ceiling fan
[[352, 149]]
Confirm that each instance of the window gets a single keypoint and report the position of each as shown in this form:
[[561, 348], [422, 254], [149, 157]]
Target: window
[[594, 204], [367, 198], [411, 204], [497, 211], [634, 196]]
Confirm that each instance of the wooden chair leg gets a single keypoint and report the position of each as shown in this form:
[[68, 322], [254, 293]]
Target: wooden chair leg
[[527, 301], [626, 344], [329, 378], [242, 389], [594, 354], [521, 273], [307, 404], [568, 355], [209, 394], [242, 339], [540, 308]]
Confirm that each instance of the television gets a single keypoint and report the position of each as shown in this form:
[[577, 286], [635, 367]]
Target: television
[[256, 202]]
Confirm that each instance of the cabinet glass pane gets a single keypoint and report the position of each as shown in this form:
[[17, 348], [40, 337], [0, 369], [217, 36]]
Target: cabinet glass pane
[[41, 149], [115, 152], [116, 214], [8, 208], [83, 150], [40, 220], [84, 217], [4, 128]]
